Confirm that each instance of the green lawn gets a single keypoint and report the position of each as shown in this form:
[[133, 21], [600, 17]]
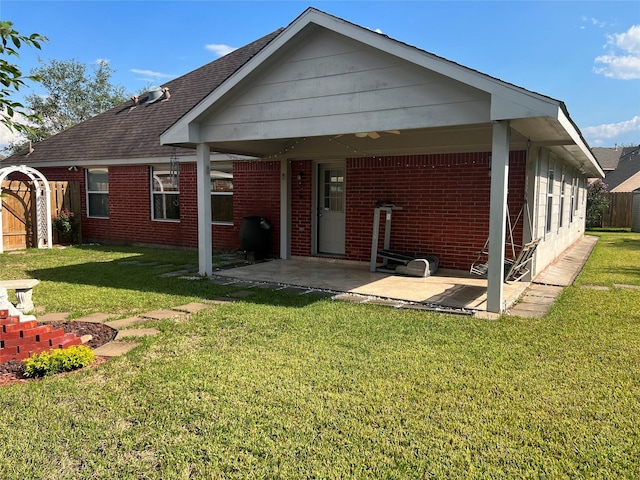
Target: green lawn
[[279, 385]]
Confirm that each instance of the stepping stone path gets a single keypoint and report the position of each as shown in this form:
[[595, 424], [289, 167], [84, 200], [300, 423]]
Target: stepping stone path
[[119, 346]]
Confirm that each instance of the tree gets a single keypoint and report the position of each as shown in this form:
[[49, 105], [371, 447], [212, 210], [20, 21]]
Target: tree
[[597, 200], [73, 95], [12, 78]]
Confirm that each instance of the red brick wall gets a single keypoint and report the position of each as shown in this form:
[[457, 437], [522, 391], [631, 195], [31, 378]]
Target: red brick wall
[[301, 208], [256, 191], [444, 200], [130, 210]]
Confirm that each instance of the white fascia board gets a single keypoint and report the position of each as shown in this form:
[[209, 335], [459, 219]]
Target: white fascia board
[[510, 105], [575, 135], [514, 101], [183, 131], [215, 157]]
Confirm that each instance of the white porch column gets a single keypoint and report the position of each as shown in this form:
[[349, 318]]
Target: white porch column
[[497, 215], [285, 235], [203, 179]]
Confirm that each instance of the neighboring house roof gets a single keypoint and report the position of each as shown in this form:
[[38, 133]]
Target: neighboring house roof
[[607, 157], [629, 185], [628, 167], [128, 132]]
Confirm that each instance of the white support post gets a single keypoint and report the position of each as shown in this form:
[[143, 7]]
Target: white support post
[[203, 180], [497, 215], [285, 225]]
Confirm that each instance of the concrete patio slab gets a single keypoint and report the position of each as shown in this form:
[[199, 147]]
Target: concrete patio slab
[[94, 318], [538, 299], [450, 288], [115, 349], [137, 332], [242, 294], [162, 314], [54, 317], [126, 322], [191, 307], [627, 287], [564, 270]]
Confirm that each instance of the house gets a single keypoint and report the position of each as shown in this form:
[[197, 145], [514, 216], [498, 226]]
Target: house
[[625, 177], [621, 166], [311, 127], [607, 157]]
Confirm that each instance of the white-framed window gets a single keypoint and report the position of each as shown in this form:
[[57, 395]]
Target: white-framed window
[[574, 203], [550, 180], [561, 210], [165, 194], [222, 194], [97, 183]]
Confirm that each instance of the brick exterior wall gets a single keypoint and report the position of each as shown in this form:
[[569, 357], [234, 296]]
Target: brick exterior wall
[[301, 214], [444, 200], [130, 210], [256, 191]]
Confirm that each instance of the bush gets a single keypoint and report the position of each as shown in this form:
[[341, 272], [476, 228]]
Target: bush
[[65, 223], [597, 201], [58, 361]]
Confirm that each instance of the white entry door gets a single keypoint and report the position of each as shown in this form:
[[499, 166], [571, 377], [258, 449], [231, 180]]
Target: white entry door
[[331, 208]]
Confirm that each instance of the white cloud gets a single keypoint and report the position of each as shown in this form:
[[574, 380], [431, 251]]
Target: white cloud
[[612, 130], [219, 49], [152, 74], [594, 22], [623, 59], [6, 135]]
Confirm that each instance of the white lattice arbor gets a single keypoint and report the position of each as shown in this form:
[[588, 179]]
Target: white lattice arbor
[[42, 202]]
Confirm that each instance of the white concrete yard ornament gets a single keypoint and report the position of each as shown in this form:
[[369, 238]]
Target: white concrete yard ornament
[[5, 304]]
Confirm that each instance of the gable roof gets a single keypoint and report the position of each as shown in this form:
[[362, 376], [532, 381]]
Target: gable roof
[[127, 131], [607, 157], [154, 130], [537, 117], [628, 166]]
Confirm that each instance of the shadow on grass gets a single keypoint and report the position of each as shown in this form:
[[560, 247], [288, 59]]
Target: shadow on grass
[[142, 271], [633, 273]]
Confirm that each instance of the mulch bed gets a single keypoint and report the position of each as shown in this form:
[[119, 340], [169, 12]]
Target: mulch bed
[[13, 370]]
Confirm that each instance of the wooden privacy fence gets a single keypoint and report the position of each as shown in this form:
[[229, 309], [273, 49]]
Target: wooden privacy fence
[[19, 216], [618, 213]]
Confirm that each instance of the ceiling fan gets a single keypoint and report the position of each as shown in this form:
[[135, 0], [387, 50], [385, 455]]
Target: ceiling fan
[[372, 135]]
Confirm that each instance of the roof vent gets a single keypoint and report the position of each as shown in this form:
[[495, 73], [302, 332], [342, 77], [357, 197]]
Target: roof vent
[[155, 94]]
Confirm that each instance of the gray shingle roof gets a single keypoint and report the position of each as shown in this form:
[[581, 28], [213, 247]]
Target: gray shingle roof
[[124, 132], [607, 157], [628, 166]]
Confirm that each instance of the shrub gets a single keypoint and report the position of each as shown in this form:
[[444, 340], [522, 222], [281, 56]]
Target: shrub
[[57, 361], [65, 223], [597, 201]]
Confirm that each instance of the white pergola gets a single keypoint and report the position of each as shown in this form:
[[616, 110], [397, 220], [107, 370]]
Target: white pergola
[[43, 203]]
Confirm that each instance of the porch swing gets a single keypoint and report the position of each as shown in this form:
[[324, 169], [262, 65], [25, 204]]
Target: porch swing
[[517, 266]]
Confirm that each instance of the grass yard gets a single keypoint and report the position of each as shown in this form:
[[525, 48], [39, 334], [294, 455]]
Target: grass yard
[[279, 385]]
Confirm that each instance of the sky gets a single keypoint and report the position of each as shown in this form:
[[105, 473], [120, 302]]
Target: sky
[[584, 53]]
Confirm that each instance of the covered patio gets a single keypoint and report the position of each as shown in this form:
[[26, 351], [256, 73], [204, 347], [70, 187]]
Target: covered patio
[[343, 118], [450, 289]]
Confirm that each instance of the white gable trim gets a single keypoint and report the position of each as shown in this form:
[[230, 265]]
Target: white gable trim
[[508, 101]]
